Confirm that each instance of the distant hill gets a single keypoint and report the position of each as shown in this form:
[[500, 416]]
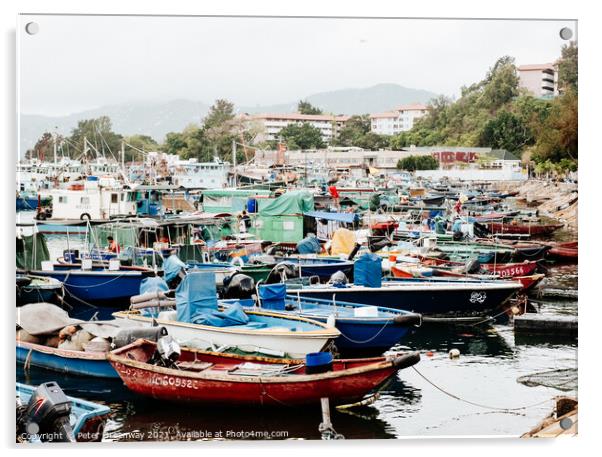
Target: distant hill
[[158, 118]]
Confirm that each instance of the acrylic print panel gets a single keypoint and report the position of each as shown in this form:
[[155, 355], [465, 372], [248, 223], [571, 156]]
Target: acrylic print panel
[[433, 160]]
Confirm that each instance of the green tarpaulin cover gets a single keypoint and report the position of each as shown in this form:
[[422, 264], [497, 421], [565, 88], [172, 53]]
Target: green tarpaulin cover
[[296, 202], [31, 251]]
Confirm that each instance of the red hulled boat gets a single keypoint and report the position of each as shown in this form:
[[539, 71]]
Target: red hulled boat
[[229, 379]]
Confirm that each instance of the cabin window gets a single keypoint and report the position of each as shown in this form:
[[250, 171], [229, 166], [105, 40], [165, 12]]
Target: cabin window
[[114, 198], [85, 200], [62, 199]]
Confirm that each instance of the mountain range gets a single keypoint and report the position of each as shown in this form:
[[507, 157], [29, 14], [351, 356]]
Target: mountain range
[[155, 119]]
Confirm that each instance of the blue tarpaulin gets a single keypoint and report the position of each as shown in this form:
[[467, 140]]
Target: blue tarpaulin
[[233, 315], [172, 266], [272, 296], [347, 218], [196, 293], [309, 245], [367, 271]]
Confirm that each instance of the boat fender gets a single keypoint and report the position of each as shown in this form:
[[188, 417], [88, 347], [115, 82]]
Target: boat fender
[[129, 335], [331, 320], [405, 360], [454, 353]]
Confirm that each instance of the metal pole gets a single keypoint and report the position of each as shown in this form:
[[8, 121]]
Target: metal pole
[[234, 161]]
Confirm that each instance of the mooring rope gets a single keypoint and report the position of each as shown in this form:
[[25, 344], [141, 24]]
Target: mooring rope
[[480, 405]]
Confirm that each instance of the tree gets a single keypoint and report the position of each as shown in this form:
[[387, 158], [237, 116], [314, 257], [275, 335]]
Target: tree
[[355, 128], [99, 137], [304, 107], [506, 131], [568, 67], [43, 148], [136, 143], [557, 136], [413, 163], [372, 141], [302, 136], [218, 130]]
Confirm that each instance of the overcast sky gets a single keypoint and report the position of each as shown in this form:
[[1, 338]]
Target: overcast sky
[[80, 62]]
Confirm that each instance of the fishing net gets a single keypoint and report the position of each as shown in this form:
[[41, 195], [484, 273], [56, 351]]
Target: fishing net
[[561, 379]]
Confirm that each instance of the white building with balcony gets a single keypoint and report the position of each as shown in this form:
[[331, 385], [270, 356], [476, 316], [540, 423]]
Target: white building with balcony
[[399, 120], [328, 125], [541, 80]]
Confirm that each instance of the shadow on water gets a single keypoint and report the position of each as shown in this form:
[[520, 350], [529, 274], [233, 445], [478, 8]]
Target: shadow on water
[[482, 340]]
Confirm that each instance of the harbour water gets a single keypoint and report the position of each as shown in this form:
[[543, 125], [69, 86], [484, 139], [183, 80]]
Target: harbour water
[[483, 381]]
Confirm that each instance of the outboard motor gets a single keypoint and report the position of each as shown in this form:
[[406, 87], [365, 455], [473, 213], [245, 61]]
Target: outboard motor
[[46, 416], [168, 352], [472, 267], [338, 279], [238, 286], [282, 271], [129, 335]]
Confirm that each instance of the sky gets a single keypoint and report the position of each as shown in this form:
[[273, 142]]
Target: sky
[[76, 63]]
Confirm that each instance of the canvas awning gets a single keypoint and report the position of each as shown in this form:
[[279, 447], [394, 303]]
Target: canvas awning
[[347, 218]]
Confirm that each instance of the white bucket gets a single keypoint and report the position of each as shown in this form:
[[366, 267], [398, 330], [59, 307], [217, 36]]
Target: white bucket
[[86, 264], [114, 265], [47, 265]]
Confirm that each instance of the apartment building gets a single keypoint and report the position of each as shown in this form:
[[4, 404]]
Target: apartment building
[[401, 119], [328, 125], [541, 80]]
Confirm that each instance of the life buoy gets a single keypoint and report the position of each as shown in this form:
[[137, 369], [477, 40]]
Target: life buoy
[[85, 217]]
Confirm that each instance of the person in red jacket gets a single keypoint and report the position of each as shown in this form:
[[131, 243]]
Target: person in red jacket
[[113, 245], [334, 193]]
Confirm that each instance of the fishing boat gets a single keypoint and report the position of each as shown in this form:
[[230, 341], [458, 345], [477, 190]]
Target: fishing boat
[[568, 251], [367, 329], [323, 267], [81, 363], [87, 419], [34, 289], [97, 284], [434, 300], [227, 379], [196, 318], [523, 229], [292, 335]]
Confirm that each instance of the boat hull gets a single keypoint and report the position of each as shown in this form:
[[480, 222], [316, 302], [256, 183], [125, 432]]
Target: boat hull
[[348, 382], [111, 288], [470, 300], [296, 344], [78, 363]]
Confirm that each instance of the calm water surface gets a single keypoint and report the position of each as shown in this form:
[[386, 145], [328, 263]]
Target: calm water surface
[[491, 360]]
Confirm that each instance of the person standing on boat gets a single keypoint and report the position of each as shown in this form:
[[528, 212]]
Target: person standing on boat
[[113, 245]]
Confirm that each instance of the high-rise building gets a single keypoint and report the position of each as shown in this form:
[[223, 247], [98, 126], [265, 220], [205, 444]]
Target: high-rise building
[[541, 80]]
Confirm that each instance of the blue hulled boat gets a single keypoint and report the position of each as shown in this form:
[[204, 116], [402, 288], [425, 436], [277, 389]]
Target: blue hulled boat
[[98, 285], [323, 267], [79, 363], [364, 329]]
